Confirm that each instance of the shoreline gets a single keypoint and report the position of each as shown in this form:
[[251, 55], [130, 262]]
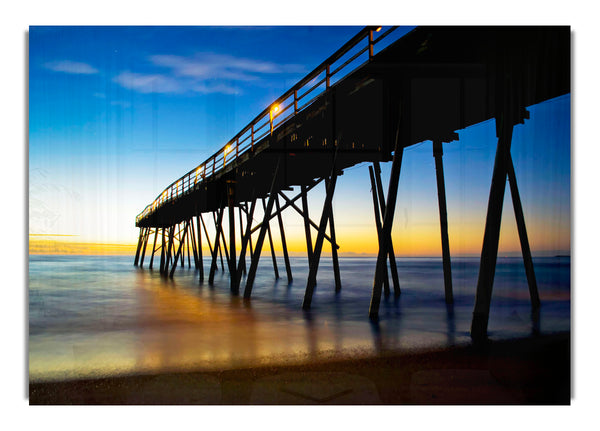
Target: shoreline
[[533, 370]]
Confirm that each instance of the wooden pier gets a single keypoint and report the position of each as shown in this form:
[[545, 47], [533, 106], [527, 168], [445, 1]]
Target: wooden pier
[[362, 104]]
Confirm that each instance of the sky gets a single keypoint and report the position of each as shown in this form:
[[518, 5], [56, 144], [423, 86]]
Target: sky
[[118, 113]]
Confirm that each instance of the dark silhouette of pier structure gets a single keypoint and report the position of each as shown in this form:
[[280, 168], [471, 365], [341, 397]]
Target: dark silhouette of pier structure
[[366, 103]]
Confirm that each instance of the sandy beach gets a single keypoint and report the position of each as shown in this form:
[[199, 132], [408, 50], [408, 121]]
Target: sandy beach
[[533, 370]]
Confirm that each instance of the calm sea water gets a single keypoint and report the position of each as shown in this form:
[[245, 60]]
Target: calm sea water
[[101, 316]]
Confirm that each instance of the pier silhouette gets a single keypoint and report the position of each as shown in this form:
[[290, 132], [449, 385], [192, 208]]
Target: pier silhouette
[[367, 102]]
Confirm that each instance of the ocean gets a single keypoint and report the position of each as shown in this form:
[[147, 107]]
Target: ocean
[[99, 316]]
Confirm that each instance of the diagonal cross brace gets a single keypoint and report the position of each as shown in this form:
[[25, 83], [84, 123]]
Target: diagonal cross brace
[[299, 211], [388, 220], [181, 245], [245, 241], [386, 281], [261, 236], [288, 203], [391, 254], [314, 264]]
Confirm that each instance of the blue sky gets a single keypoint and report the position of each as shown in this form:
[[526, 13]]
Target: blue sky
[[117, 113]]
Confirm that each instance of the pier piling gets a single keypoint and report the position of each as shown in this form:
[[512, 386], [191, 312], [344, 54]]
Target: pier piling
[[441, 191]]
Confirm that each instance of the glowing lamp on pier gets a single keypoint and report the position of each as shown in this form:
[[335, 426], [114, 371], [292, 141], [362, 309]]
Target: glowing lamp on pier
[[272, 114], [226, 151]]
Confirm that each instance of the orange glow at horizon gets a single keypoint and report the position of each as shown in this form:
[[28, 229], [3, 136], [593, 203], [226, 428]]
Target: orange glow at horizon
[[50, 246], [412, 240]]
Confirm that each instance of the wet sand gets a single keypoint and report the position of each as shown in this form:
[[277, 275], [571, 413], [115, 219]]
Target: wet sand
[[525, 371]]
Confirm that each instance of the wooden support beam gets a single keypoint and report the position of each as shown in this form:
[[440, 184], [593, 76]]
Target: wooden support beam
[[143, 232], [146, 235], [334, 254], [305, 216], [314, 263], [139, 247], [242, 258], [206, 233], [217, 243], [169, 247], [438, 152], [310, 222], [525, 250], [213, 266], [245, 241], [258, 248], [187, 242], [167, 235], [273, 257], [287, 204], [153, 247], [245, 209], [178, 241], [193, 240], [386, 229], [170, 251], [182, 239], [261, 236], [286, 257], [334, 246], [163, 253], [200, 258], [179, 238], [223, 246], [386, 281], [391, 253], [173, 249], [491, 237], [176, 238], [232, 253], [179, 249]]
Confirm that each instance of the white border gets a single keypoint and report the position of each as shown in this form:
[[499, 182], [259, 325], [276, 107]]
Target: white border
[[20, 15]]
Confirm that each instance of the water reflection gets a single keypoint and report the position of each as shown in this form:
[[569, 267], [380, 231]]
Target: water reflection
[[376, 332], [450, 325], [101, 316]]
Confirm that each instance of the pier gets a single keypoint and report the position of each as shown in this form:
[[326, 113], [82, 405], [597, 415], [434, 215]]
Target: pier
[[367, 102]]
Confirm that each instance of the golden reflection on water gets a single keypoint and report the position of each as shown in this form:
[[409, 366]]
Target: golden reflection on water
[[177, 329], [89, 322], [194, 331]]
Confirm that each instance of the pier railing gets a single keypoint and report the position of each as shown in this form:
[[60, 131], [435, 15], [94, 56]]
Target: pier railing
[[355, 53]]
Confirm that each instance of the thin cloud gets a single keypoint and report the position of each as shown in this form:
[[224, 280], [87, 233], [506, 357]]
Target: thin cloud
[[202, 73], [204, 88], [148, 83], [73, 67], [211, 65]]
